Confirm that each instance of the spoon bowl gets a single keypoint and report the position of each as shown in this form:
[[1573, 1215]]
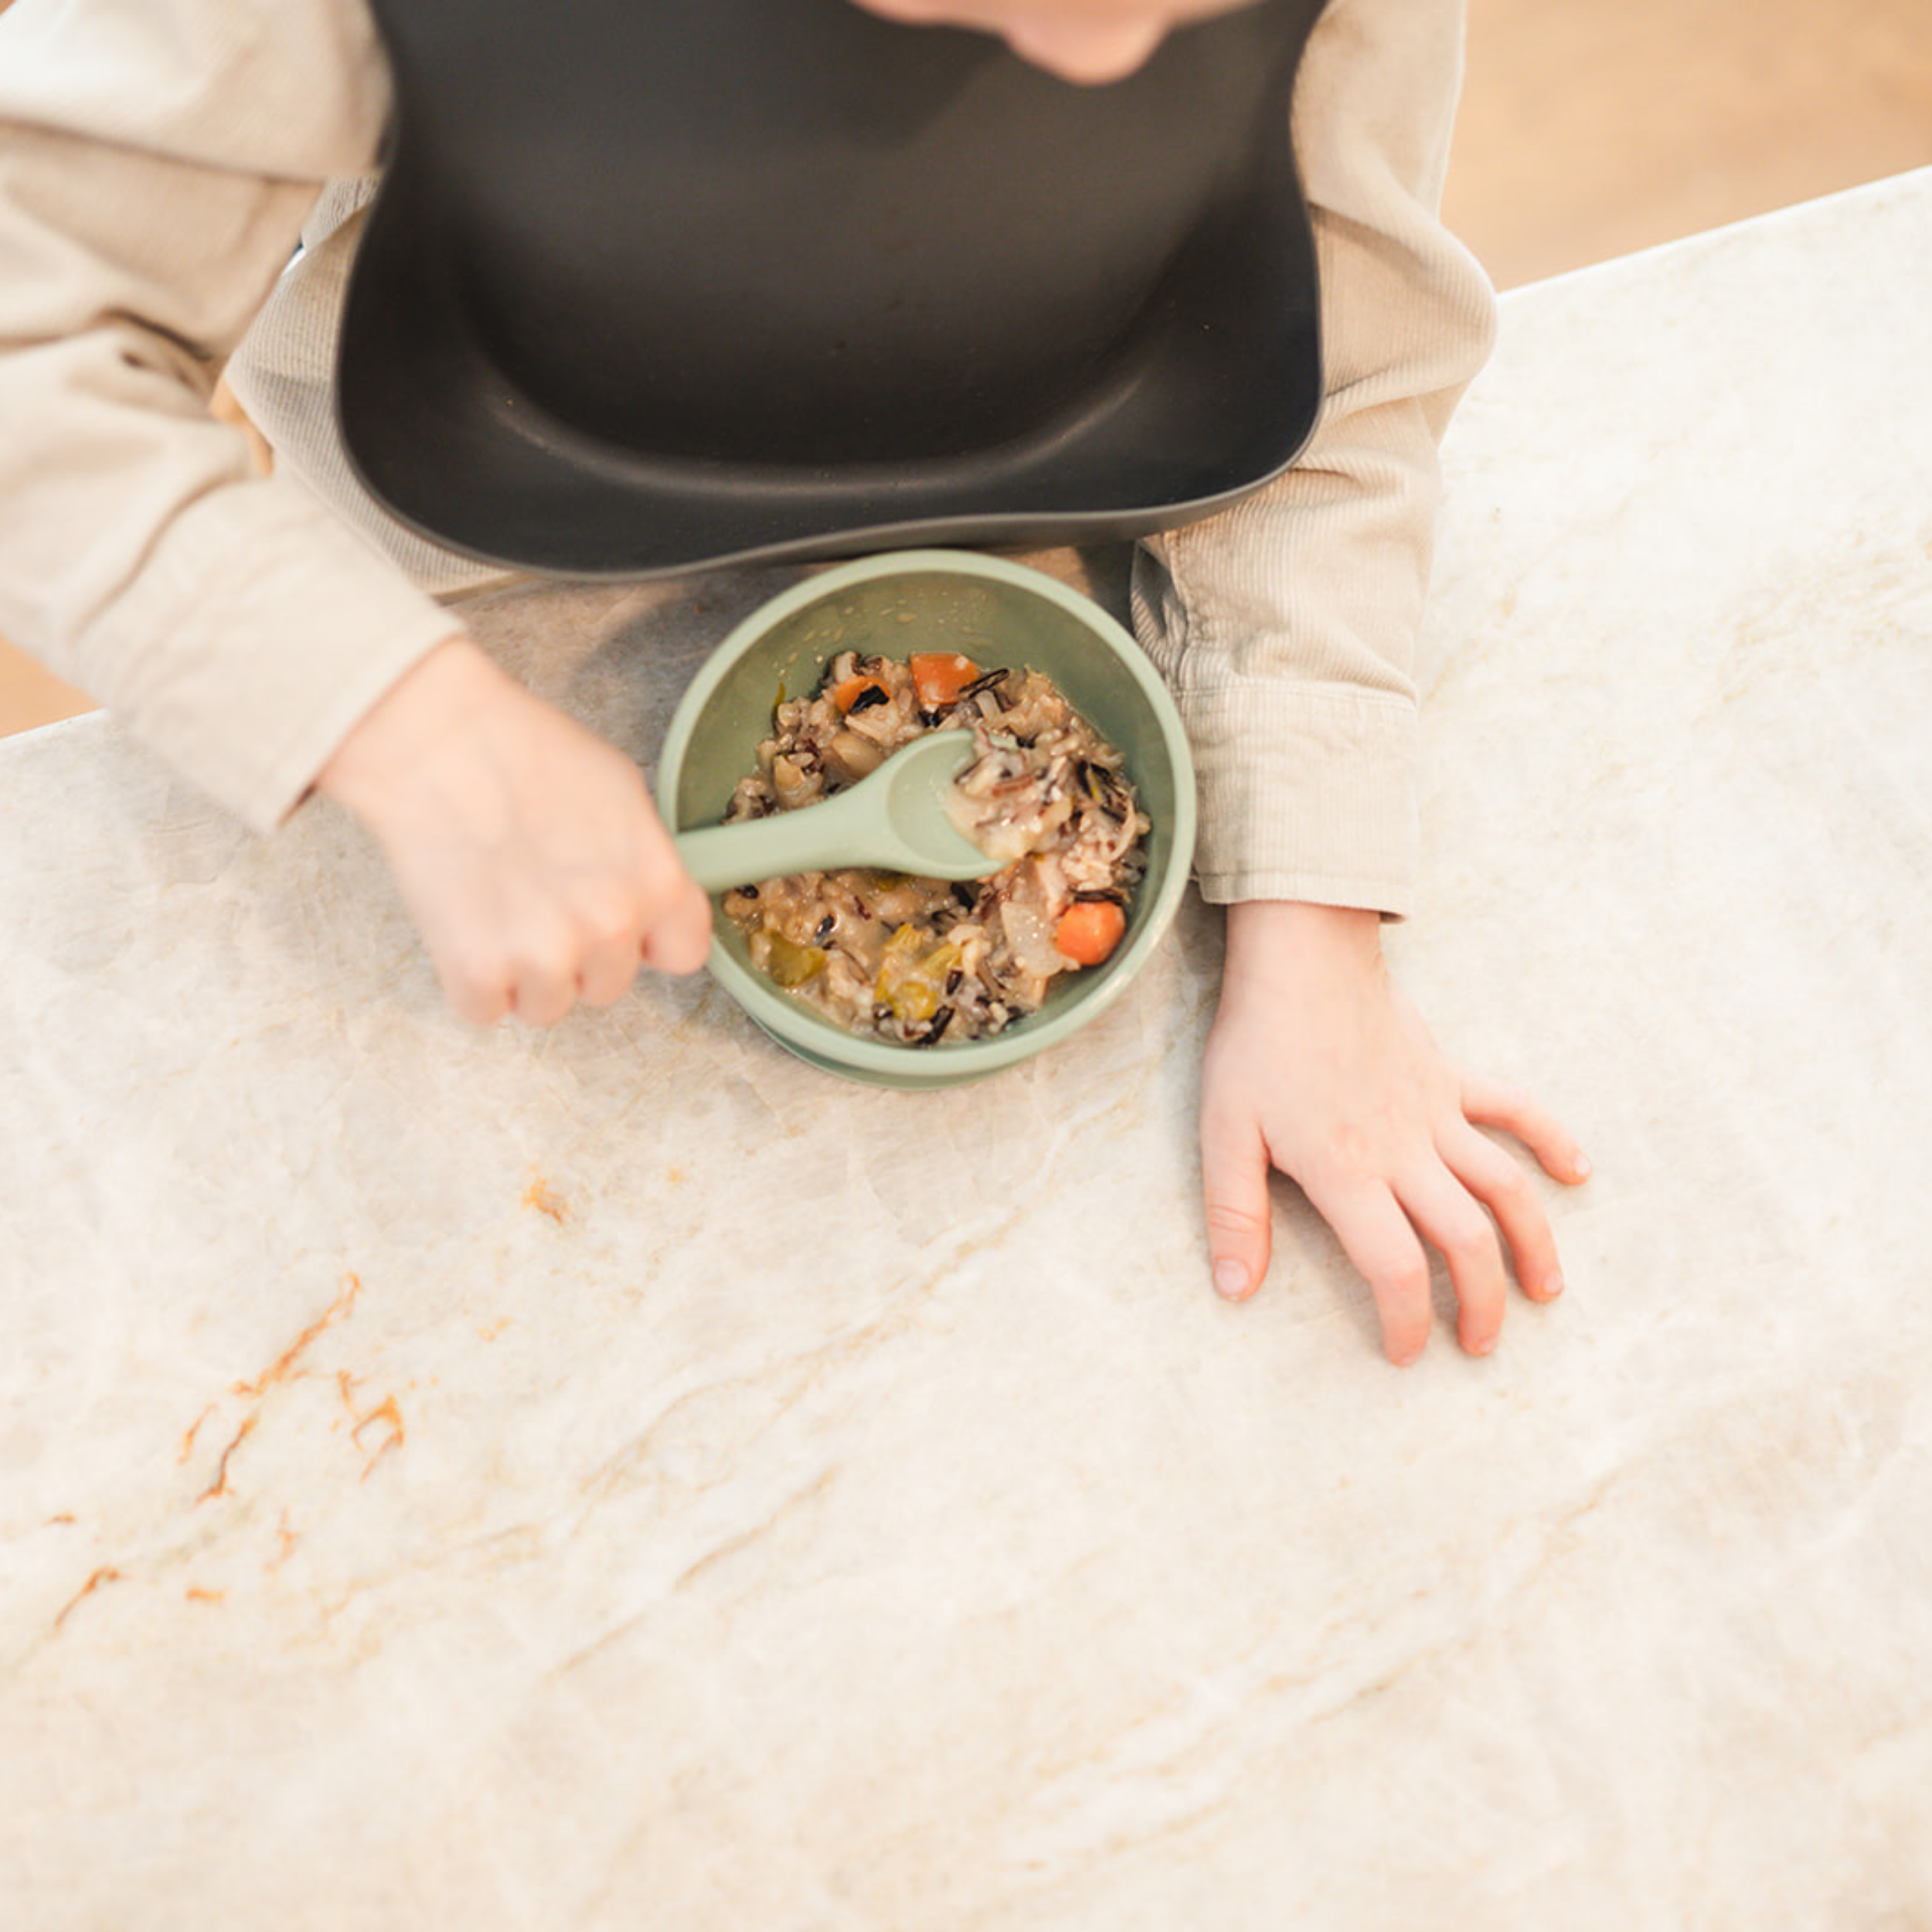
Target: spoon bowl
[[896, 818]]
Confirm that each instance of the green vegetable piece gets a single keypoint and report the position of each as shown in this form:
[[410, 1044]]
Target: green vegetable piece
[[914, 1000], [909, 988], [790, 965]]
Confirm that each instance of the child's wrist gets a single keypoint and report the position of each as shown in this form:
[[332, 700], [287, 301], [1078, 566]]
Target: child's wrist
[[394, 743], [1281, 929]]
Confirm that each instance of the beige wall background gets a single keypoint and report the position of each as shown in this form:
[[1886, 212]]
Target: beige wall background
[[1593, 128]]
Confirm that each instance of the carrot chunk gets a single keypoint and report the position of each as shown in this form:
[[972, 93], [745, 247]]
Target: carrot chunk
[[1089, 930], [939, 676], [847, 692]]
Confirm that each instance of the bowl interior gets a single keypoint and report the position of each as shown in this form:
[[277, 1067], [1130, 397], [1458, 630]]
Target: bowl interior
[[996, 613]]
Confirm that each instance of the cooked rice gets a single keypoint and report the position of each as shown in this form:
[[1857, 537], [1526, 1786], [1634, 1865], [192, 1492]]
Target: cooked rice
[[916, 960]]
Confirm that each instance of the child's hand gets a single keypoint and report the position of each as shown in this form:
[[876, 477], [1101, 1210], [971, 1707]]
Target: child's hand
[[527, 849], [1318, 1065]]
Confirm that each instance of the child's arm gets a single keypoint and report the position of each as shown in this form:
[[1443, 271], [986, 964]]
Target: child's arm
[[1287, 629], [152, 185], [1286, 626], [1318, 1066], [157, 160]]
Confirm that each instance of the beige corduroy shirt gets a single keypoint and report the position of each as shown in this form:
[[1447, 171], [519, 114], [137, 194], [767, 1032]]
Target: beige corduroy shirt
[[159, 160]]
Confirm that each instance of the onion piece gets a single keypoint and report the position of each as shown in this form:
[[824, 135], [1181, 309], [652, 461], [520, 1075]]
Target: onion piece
[[1030, 935]]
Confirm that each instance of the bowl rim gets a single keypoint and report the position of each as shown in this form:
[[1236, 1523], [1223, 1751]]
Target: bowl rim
[[824, 1040]]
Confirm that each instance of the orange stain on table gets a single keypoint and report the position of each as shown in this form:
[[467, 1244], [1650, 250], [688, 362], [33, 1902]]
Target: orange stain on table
[[277, 1371], [104, 1575], [197, 1595], [219, 1486], [194, 1429], [387, 1413], [542, 1196], [283, 1364]]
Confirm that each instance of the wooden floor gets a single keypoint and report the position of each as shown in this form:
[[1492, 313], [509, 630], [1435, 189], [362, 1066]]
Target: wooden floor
[[1593, 128]]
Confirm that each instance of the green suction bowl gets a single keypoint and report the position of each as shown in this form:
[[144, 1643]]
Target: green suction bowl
[[996, 613]]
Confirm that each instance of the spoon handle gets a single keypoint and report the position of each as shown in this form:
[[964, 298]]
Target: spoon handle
[[896, 819], [719, 857]]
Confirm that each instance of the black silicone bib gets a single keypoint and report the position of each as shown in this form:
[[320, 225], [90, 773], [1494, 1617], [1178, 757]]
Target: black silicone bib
[[656, 284]]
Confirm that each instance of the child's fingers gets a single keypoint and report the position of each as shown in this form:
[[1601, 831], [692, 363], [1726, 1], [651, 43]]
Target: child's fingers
[[1234, 1173], [607, 971], [544, 987], [1377, 1236], [679, 939], [1489, 1104], [1500, 1182], [1449, 1218], [474, 996]]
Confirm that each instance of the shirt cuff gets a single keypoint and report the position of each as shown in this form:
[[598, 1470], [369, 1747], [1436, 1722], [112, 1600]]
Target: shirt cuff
[[1330, 815], [261, 631]]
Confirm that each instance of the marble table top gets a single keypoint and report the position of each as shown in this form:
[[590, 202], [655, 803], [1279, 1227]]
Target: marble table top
[[620, 1478]]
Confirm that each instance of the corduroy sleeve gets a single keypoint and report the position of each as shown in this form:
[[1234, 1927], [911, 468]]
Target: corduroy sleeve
[[157, 158], [1286, 626]]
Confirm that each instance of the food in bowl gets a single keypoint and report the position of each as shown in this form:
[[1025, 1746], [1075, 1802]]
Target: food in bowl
[[993, 609], [915, 961]]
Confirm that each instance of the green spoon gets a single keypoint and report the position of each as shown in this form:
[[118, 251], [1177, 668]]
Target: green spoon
[[895, 819]]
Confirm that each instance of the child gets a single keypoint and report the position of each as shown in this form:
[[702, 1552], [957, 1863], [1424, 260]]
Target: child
[[160, 157]]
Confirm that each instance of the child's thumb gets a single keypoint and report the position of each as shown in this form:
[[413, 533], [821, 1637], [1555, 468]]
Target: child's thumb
[[1234, 1171]]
